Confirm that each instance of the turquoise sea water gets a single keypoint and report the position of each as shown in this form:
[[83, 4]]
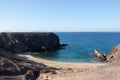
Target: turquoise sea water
[[81, 46]]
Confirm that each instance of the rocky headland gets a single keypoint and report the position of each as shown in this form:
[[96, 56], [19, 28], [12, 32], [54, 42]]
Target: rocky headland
[[29, 41], [14, 67]]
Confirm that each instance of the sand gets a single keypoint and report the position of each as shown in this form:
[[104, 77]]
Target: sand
[[78, 71], [64, 65], [68, 70]]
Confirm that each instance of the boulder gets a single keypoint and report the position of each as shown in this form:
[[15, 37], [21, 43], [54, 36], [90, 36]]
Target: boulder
[[23, 42], [100, 56]]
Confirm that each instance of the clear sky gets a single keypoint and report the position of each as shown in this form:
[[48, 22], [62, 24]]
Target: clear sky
[[60, 15]]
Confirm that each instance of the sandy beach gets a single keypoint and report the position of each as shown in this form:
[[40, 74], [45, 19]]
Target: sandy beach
[[64, 65], [68, 71], [78, 71]]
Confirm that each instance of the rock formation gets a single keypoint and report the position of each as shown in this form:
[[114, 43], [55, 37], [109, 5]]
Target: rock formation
[[99, 56], [113, 54], [23, 42], [14, 67]]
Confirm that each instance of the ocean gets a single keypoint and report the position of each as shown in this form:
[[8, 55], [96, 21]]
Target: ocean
[[81, 46]]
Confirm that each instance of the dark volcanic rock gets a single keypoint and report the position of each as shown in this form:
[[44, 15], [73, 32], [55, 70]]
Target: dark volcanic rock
[[14, 69], [22, 42], [8, 67], [11, 69]]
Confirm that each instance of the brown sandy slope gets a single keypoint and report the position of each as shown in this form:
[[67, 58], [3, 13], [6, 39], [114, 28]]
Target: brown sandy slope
[[107, 72]]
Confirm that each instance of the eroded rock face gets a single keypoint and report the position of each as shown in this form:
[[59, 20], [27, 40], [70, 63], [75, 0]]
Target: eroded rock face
[[8, 67], [12, 69], [22, 42]]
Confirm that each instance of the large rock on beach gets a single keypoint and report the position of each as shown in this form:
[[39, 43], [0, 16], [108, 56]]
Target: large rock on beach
[[100, 56], [29, 41]]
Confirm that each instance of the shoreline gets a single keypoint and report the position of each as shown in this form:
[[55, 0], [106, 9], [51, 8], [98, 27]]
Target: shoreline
[[64, 65]]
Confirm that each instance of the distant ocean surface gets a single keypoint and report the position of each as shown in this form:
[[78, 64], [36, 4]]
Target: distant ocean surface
[[81, 46]]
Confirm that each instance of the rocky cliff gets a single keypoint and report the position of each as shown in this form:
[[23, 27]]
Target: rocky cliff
[[14, 67], [23, 42]]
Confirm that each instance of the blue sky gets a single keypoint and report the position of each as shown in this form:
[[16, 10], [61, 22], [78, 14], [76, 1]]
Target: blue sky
[[60, 15]]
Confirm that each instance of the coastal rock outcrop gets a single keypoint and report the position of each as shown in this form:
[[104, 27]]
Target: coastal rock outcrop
[[113, 54], [29, 41], [14, 67], [100, 56], [11, 69], [19, 68]]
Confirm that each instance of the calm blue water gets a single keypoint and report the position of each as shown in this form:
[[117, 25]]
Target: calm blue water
[[81, 46]]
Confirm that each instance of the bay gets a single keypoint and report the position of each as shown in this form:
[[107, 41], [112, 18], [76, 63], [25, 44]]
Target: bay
[[81, 46]]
